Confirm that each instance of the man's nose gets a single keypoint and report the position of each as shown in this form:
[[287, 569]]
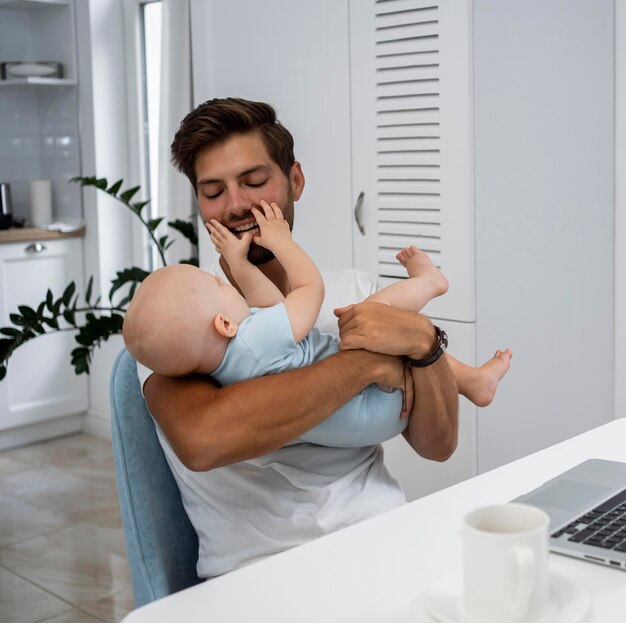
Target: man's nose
[[240, 200]]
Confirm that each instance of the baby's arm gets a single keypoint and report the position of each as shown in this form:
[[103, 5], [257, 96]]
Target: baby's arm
[[257, 289], [425, 282], [304, 301]]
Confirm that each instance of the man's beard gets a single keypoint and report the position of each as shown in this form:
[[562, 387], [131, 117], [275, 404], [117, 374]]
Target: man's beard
[[259, 255]]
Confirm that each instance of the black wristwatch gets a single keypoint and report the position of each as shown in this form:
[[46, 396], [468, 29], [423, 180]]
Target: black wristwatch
[[438, 350]]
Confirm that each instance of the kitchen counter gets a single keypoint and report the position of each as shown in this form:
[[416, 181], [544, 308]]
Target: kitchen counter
[[22, 234]]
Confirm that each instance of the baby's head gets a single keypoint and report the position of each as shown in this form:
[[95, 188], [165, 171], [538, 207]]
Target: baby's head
[[181, 320]]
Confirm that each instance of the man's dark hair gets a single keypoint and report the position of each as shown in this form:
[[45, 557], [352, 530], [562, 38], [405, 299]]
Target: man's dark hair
[[217, 120]]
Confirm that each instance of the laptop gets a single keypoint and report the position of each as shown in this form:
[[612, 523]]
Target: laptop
[[587, 509]]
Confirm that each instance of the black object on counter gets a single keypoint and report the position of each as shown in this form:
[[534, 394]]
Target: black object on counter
[[6, 206]]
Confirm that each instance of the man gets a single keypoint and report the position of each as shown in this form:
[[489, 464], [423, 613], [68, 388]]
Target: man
[[249, 486]]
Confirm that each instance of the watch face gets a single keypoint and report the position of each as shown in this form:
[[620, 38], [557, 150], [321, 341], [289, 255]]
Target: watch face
[[443, 338]]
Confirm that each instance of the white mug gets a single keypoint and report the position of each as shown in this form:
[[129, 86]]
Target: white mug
[[505, 564]]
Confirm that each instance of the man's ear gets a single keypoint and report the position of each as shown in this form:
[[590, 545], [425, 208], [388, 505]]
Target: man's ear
[[296, 179], [225, 326]]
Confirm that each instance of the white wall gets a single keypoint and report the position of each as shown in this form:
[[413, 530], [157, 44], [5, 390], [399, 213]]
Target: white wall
[[544, 167], [306, 76], [620, 208]]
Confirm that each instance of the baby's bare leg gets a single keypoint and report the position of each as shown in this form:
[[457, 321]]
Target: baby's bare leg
[[479, 384], [425, 282]]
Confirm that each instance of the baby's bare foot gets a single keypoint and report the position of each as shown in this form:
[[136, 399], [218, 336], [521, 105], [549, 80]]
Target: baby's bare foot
[[485, 379], [418, 264]]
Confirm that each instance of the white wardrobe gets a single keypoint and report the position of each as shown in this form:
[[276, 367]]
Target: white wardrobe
[[481, 131]]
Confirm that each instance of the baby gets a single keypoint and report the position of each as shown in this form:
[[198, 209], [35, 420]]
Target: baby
[[183, 320]]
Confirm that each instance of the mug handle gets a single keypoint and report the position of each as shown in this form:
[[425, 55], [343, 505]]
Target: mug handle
[[525, 563]]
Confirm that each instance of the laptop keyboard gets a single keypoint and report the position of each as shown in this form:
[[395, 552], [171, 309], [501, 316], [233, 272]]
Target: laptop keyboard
[[604, 526]]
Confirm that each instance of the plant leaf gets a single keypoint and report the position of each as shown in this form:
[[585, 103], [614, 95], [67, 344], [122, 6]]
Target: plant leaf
[[70, 318], [17, 319], [127, 195], [139, 206], [128, 275], [186, 228], [192, 260], [67, 295], [112, 190], [89, 287], [52, 323], [154, 223], [10, 331], [27, 312]]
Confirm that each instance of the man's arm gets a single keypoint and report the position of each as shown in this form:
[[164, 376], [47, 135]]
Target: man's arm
[[209, 426], [433, 426]]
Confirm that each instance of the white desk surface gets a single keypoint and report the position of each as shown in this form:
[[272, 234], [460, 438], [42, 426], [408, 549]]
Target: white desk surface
[[378, 570]]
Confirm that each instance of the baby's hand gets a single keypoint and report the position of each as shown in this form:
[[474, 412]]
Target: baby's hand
[[233, 249], [274, 229]]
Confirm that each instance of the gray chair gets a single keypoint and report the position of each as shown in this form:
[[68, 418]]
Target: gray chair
[[161, 543]]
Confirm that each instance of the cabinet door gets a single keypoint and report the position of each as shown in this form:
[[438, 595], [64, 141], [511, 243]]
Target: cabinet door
[[40, 382], [411, 131]]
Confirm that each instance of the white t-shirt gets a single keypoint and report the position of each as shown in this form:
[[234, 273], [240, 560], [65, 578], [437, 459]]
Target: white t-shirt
[[249, 510]]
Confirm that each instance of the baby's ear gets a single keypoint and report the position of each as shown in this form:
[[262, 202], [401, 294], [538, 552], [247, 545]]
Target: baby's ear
[[225, 326]]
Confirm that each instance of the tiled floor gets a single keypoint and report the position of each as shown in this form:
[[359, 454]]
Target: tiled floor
[[62, 554]]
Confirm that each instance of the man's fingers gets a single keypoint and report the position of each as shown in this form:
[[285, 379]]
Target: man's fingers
[[352, 342], [340, 311]]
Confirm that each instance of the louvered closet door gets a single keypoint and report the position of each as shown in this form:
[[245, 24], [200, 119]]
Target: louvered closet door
[[411, 141]]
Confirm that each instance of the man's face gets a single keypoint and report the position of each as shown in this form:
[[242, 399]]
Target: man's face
[[235, 176]]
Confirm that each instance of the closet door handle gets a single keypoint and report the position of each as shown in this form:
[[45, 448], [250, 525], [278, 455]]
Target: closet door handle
[[35, 247], [357, 212]]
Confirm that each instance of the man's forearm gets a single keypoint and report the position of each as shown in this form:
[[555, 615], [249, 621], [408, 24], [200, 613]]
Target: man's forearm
[[433, 426], [210, 427]]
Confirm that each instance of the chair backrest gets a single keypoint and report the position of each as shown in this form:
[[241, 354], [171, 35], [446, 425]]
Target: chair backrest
[[162, 544]]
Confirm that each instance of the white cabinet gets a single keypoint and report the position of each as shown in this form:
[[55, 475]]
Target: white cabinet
[[40, 385], [411, 140], [474, 140]]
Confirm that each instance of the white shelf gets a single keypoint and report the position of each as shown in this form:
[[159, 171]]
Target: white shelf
[[38, 81], [31, 5]]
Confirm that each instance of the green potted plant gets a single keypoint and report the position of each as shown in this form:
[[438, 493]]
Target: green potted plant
[[93, 321]]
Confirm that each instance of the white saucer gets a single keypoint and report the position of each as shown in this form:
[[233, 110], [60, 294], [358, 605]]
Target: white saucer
[[568, 602]]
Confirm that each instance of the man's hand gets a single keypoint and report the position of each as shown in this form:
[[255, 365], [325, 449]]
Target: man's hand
[[385, 329], [234, 250], [274, 229]]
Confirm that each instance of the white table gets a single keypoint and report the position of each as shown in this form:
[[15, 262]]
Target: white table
[[379, 569]]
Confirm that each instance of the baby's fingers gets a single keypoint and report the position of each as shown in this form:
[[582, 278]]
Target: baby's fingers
[[271, 211], [217, 229]]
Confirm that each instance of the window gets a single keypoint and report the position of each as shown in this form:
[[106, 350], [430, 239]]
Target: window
[[150, 94], [144, 26]]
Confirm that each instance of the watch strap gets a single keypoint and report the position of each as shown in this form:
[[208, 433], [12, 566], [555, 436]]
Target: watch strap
[[439, 349]]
